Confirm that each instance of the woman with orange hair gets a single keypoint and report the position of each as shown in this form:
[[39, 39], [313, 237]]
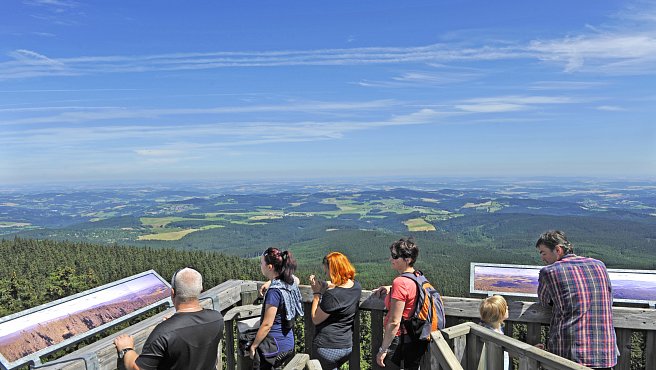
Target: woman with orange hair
[[334, 306]]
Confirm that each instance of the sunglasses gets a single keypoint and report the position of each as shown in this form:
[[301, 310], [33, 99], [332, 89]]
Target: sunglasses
[[395, 256]]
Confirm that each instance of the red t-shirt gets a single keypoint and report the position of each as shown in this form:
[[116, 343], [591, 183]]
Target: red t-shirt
[[403, 289]]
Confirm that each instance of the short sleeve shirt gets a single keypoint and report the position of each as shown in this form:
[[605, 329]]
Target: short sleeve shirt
[[187, 340], [403, 289], [283, 334], [342, 305]]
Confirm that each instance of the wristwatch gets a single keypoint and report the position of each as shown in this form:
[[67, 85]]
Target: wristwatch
[[122, 352]]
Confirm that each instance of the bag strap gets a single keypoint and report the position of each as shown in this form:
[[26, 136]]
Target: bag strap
[[413, 277]]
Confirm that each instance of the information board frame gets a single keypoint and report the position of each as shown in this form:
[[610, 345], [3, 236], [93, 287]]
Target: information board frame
[[526, 272], [93, 298]]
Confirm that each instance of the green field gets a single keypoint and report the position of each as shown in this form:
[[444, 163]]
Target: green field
[[175, 235], [419, 224]]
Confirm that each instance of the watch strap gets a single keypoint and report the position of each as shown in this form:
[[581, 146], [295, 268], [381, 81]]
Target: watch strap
[[122, 352]]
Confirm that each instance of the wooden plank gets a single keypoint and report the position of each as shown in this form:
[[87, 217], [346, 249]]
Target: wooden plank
[[441, 355], [527, 363], [624, 344], [313, 365], [650, 353], [354, 359], [493, 356], [459, 349], [376, 336], [298, 362], [474, 350]]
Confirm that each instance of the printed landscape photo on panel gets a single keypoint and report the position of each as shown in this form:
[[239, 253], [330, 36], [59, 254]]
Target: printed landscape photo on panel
[[628, 285], [27, 334]]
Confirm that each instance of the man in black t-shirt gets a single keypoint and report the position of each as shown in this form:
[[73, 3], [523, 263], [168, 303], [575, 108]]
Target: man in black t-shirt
[[187, 340]]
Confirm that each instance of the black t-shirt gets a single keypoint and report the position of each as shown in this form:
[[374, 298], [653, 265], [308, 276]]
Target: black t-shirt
[[187, 340], [342, 305]]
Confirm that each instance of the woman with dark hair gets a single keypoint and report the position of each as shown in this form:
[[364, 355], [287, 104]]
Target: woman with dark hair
[[274, 341], [334, 306], [397, 346]]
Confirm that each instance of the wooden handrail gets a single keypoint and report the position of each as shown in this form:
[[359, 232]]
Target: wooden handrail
[[530, 356]]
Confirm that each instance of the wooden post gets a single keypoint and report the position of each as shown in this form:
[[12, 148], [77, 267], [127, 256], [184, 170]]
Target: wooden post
[[309, 328], [230, 344], [248, 297], [376, 336], [354, 359], [624, 344], [650, 349], [533, 333]]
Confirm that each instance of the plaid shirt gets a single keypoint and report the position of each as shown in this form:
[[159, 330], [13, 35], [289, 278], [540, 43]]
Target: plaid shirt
[[579, 292]]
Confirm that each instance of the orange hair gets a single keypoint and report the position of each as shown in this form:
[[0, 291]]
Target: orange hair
[[339, 268]]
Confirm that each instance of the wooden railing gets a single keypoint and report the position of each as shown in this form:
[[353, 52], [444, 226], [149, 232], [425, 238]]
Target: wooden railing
[[460, 346]]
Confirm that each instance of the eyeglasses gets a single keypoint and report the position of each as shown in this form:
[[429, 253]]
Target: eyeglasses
[[395, 256]]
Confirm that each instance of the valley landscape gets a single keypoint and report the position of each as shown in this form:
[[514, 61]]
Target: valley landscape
[[455, 222]]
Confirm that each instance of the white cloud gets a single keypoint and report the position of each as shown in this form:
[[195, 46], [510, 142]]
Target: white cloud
[[509, 103], [491, 107], [117, 113], [565, 85], [610, 108], [158, 152]]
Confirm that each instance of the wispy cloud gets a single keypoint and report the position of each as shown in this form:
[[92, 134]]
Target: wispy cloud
[[509, 103], [422, 78], [565, 85], [89, 114], [610, 108], [168, 140]]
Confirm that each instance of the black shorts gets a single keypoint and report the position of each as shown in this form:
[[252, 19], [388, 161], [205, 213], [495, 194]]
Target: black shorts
[[404, 349]]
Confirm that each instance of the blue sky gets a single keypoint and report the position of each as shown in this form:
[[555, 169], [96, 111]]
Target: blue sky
[[175, 91]]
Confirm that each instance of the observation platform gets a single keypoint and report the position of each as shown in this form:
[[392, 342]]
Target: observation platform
[[462, 345]]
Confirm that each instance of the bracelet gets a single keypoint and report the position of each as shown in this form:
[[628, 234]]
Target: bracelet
[[381, 350], [316, 293]]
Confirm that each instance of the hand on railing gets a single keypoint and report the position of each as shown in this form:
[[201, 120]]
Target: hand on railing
[[382, 290], [264, 288]]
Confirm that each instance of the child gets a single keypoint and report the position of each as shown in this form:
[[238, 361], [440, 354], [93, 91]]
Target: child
[[494, 310]]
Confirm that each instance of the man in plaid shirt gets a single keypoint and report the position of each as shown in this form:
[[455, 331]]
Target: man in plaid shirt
[[579, 292]]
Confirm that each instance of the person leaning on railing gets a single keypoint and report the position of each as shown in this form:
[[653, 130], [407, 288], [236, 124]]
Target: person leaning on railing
[[397, 346], [274, 342], [334, 306], [579, 292], [187, 340]]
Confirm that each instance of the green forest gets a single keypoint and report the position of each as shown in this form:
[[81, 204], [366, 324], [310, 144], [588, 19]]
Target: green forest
[[33, 272]]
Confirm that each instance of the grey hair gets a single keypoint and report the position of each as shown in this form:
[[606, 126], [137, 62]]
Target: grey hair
[[188, 283]]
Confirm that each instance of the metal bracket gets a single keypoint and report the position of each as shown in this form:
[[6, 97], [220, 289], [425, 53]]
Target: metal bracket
[[91, 362]]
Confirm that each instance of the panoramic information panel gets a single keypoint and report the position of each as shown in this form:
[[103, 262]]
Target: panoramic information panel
[[633, 286], [27, 335]]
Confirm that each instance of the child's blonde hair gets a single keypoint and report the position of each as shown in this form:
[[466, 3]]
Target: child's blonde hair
[[493, 309]]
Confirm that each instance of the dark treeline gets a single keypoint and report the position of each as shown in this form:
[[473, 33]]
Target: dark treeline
[[34, 272]]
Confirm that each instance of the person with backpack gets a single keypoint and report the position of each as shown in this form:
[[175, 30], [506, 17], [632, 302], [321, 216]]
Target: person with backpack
[[274, 342], [414, 310]]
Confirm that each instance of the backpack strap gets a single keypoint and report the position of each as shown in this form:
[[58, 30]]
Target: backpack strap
[[413, 276]]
